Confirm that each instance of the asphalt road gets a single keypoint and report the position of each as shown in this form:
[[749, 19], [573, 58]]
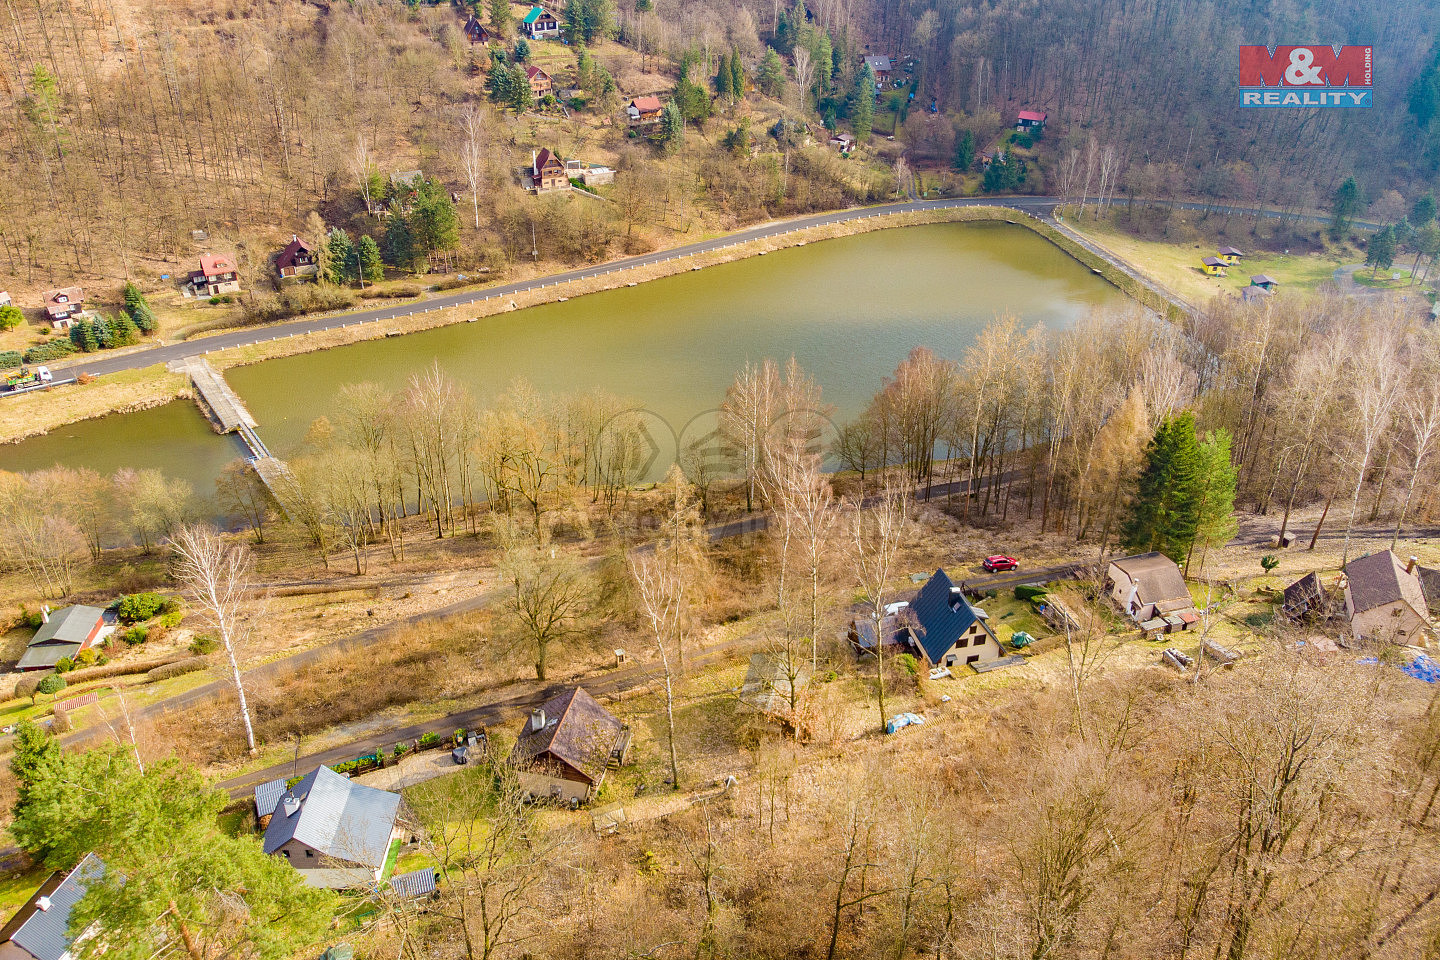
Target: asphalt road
[[1040, 206], [1043, 207]]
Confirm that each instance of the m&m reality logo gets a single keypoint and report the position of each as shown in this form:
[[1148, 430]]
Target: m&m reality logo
[[1315, 75]]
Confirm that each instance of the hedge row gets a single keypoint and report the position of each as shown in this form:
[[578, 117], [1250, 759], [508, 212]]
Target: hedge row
[[53, 350], [177, 669], [10, 358]]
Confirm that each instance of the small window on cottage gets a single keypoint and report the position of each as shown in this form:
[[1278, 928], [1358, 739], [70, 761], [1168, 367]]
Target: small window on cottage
[[963, 642], [309, 853]]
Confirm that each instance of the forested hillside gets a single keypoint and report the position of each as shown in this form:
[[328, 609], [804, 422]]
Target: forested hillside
[[131, 124]]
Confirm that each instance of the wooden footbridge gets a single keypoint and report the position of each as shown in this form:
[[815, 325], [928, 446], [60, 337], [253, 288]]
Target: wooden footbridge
[[227, 414]]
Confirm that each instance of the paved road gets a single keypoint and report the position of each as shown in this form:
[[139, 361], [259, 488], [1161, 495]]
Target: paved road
[[1040, 206], [1043, 207]]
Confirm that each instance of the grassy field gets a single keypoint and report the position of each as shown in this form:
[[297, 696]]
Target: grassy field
[[1177, 266]]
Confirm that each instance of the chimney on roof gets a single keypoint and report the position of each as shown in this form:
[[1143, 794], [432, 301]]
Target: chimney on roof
[[291, 804], [1410, 564], [44, 613], [533, 168], [537, 720], [294, 237]]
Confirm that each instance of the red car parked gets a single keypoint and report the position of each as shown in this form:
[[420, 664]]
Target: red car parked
[[1000, 562]]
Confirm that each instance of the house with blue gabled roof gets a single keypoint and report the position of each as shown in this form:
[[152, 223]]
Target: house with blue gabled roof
[[938, 625], [40, 930], [947, 629], [336, 832]]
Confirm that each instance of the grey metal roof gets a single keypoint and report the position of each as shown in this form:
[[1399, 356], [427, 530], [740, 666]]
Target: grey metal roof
[[879, 64], [45, 934], [336, 817], [417, 884], [70, 625], [268, 795], [46, 655]]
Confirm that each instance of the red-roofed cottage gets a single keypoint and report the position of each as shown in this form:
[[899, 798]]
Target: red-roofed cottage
[[217, 275], [644, 111], [63, 306], [547, 172], [1031, 120], [540, 82]]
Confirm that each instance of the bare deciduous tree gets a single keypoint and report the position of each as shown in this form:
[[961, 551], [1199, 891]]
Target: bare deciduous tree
[[218, 576], [876, 535]]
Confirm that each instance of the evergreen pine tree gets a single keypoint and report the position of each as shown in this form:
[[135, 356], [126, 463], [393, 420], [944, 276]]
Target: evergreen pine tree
[[80, 335], [341, 256], [522, 97], [822, 56], [1381, 252], [1216, 480], [1423, 210], [399, 243], [1344, 207], [522, 51], [371, 267], [862, 104], [672, 126], [771, 77], [784, 33], [737, 75], [123, 331], [964, 151], [1166, 508], [692, 98], [433, 221], [501, 19], [723, 88], [139, 309]]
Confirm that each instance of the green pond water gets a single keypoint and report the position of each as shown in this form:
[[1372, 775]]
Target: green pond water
[[848, 309]]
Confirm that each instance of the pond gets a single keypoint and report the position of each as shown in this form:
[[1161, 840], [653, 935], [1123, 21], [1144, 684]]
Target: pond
[[848, 309]]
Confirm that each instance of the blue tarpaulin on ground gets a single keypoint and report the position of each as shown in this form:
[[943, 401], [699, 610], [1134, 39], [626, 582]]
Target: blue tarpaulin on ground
[[1421, 668]]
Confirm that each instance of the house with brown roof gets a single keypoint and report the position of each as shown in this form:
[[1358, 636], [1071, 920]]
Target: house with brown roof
[[540, 83], [1305, 598], [217, 275], [63, 306], [547, 172], [644, 111], [566, 746], [476, 31], [1151, 591], [298, 259], [1385, 600]]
